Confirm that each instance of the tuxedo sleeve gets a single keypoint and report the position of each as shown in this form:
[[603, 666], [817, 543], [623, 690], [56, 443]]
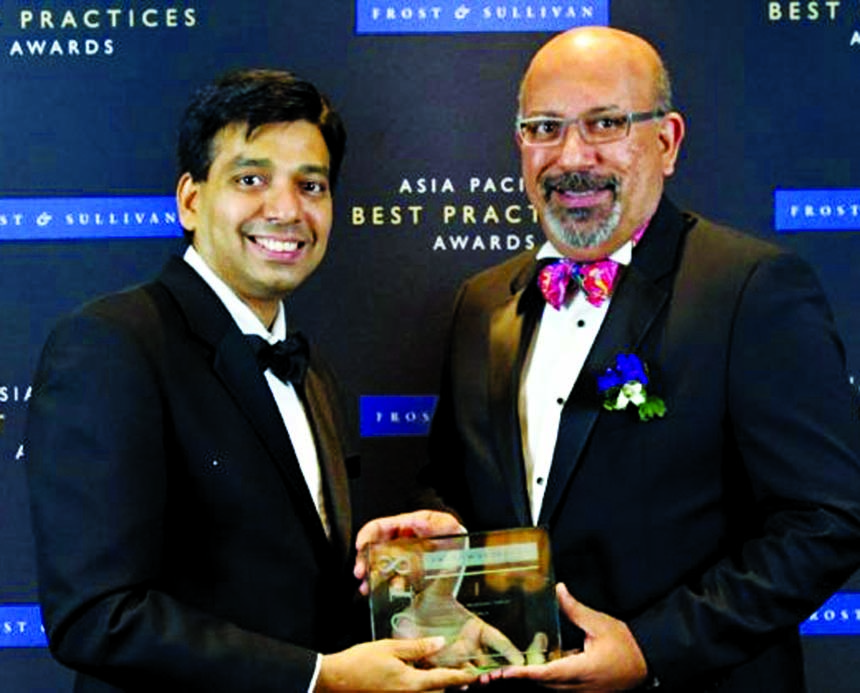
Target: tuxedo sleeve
[[98, 476], [792, 417]]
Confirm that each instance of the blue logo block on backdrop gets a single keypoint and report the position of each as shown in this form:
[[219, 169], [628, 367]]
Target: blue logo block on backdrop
[[76, 218], [396, 415], [467, 16], [840, 615], [816, 210], [21, 626]]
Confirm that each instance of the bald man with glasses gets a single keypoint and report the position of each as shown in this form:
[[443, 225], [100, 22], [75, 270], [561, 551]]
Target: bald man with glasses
[[667, 396]]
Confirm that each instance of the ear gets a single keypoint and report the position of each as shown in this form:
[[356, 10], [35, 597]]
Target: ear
[[671, 135], [187, 195]]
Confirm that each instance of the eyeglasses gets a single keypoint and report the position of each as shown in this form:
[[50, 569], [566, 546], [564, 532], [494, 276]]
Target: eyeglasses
[[594, 128]]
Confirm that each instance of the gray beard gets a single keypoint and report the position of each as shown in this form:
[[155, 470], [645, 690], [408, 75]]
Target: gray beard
[[575, 234]]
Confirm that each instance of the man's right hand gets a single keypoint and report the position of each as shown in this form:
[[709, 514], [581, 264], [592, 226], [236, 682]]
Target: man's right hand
[[420, 523], [385, 665]]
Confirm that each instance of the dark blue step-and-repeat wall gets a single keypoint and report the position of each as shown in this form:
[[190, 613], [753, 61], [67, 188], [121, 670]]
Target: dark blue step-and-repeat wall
[[91, 92]]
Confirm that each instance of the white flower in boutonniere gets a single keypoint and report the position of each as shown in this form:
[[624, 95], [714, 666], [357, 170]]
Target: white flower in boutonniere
[[623, 384]]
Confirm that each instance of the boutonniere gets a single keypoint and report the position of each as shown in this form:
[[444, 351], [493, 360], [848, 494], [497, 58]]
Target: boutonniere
[[624, 383]]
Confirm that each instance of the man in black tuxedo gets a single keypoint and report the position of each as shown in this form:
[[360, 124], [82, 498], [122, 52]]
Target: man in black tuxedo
[[190, 497], [689, 438]]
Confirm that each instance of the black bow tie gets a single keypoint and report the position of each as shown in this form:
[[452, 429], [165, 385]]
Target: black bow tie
[[288, 359]]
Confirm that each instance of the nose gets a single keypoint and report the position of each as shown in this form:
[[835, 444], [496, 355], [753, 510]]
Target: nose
[[281, 204], [573, 151]]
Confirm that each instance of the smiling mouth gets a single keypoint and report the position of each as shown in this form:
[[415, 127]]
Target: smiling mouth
[[278, 246], [584, 197]]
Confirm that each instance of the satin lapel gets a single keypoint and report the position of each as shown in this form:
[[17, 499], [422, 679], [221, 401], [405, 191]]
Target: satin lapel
[[512, 325], [333, 466], [639, 297], [234, 364]]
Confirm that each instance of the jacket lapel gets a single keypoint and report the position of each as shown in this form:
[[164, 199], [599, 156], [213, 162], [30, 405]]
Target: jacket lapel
[[639, 297], [234, 364], [512, 325], [332, 464]]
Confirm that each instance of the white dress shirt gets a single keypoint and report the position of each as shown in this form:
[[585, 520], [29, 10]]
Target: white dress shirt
[[555, 357]]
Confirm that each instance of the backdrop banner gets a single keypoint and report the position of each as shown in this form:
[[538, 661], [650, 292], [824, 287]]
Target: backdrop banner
[[431, 192]]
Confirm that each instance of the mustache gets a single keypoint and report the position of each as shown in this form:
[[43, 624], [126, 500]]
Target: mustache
[[574, 181]]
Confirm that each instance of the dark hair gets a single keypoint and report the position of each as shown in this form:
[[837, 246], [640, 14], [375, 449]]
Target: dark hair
[[256, 98]]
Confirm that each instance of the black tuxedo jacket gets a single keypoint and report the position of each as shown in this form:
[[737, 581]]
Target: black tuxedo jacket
[[714, 531], [178, 545]]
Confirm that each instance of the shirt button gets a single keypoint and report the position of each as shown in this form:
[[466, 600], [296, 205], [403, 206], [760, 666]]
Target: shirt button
[[539, 481], [560, 400]]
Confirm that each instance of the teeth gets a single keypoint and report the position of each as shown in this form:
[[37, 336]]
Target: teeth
[[278, 246]]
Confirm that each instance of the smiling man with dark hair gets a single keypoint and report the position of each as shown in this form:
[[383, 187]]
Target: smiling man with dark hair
[[189, 486]]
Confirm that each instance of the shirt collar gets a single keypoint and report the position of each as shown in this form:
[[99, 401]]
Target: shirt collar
[[245, 318]]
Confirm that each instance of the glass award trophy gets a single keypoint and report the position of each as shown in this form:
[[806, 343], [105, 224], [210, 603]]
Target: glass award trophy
[[490, 594]]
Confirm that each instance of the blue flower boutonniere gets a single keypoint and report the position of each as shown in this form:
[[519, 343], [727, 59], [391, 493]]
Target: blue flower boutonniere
[[624, 384]]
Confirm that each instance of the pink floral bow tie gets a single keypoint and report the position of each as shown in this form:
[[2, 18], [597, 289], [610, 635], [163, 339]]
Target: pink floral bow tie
[[595, 279], [561, 278]]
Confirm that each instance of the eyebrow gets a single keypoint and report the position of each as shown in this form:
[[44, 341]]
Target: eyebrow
[[243, 162], [314, 169]]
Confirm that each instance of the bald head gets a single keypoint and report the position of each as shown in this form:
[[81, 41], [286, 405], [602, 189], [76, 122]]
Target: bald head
[[597, 136], [596, 46]]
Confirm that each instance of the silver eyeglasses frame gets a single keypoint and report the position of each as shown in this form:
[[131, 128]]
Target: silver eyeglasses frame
[[592, 126]]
